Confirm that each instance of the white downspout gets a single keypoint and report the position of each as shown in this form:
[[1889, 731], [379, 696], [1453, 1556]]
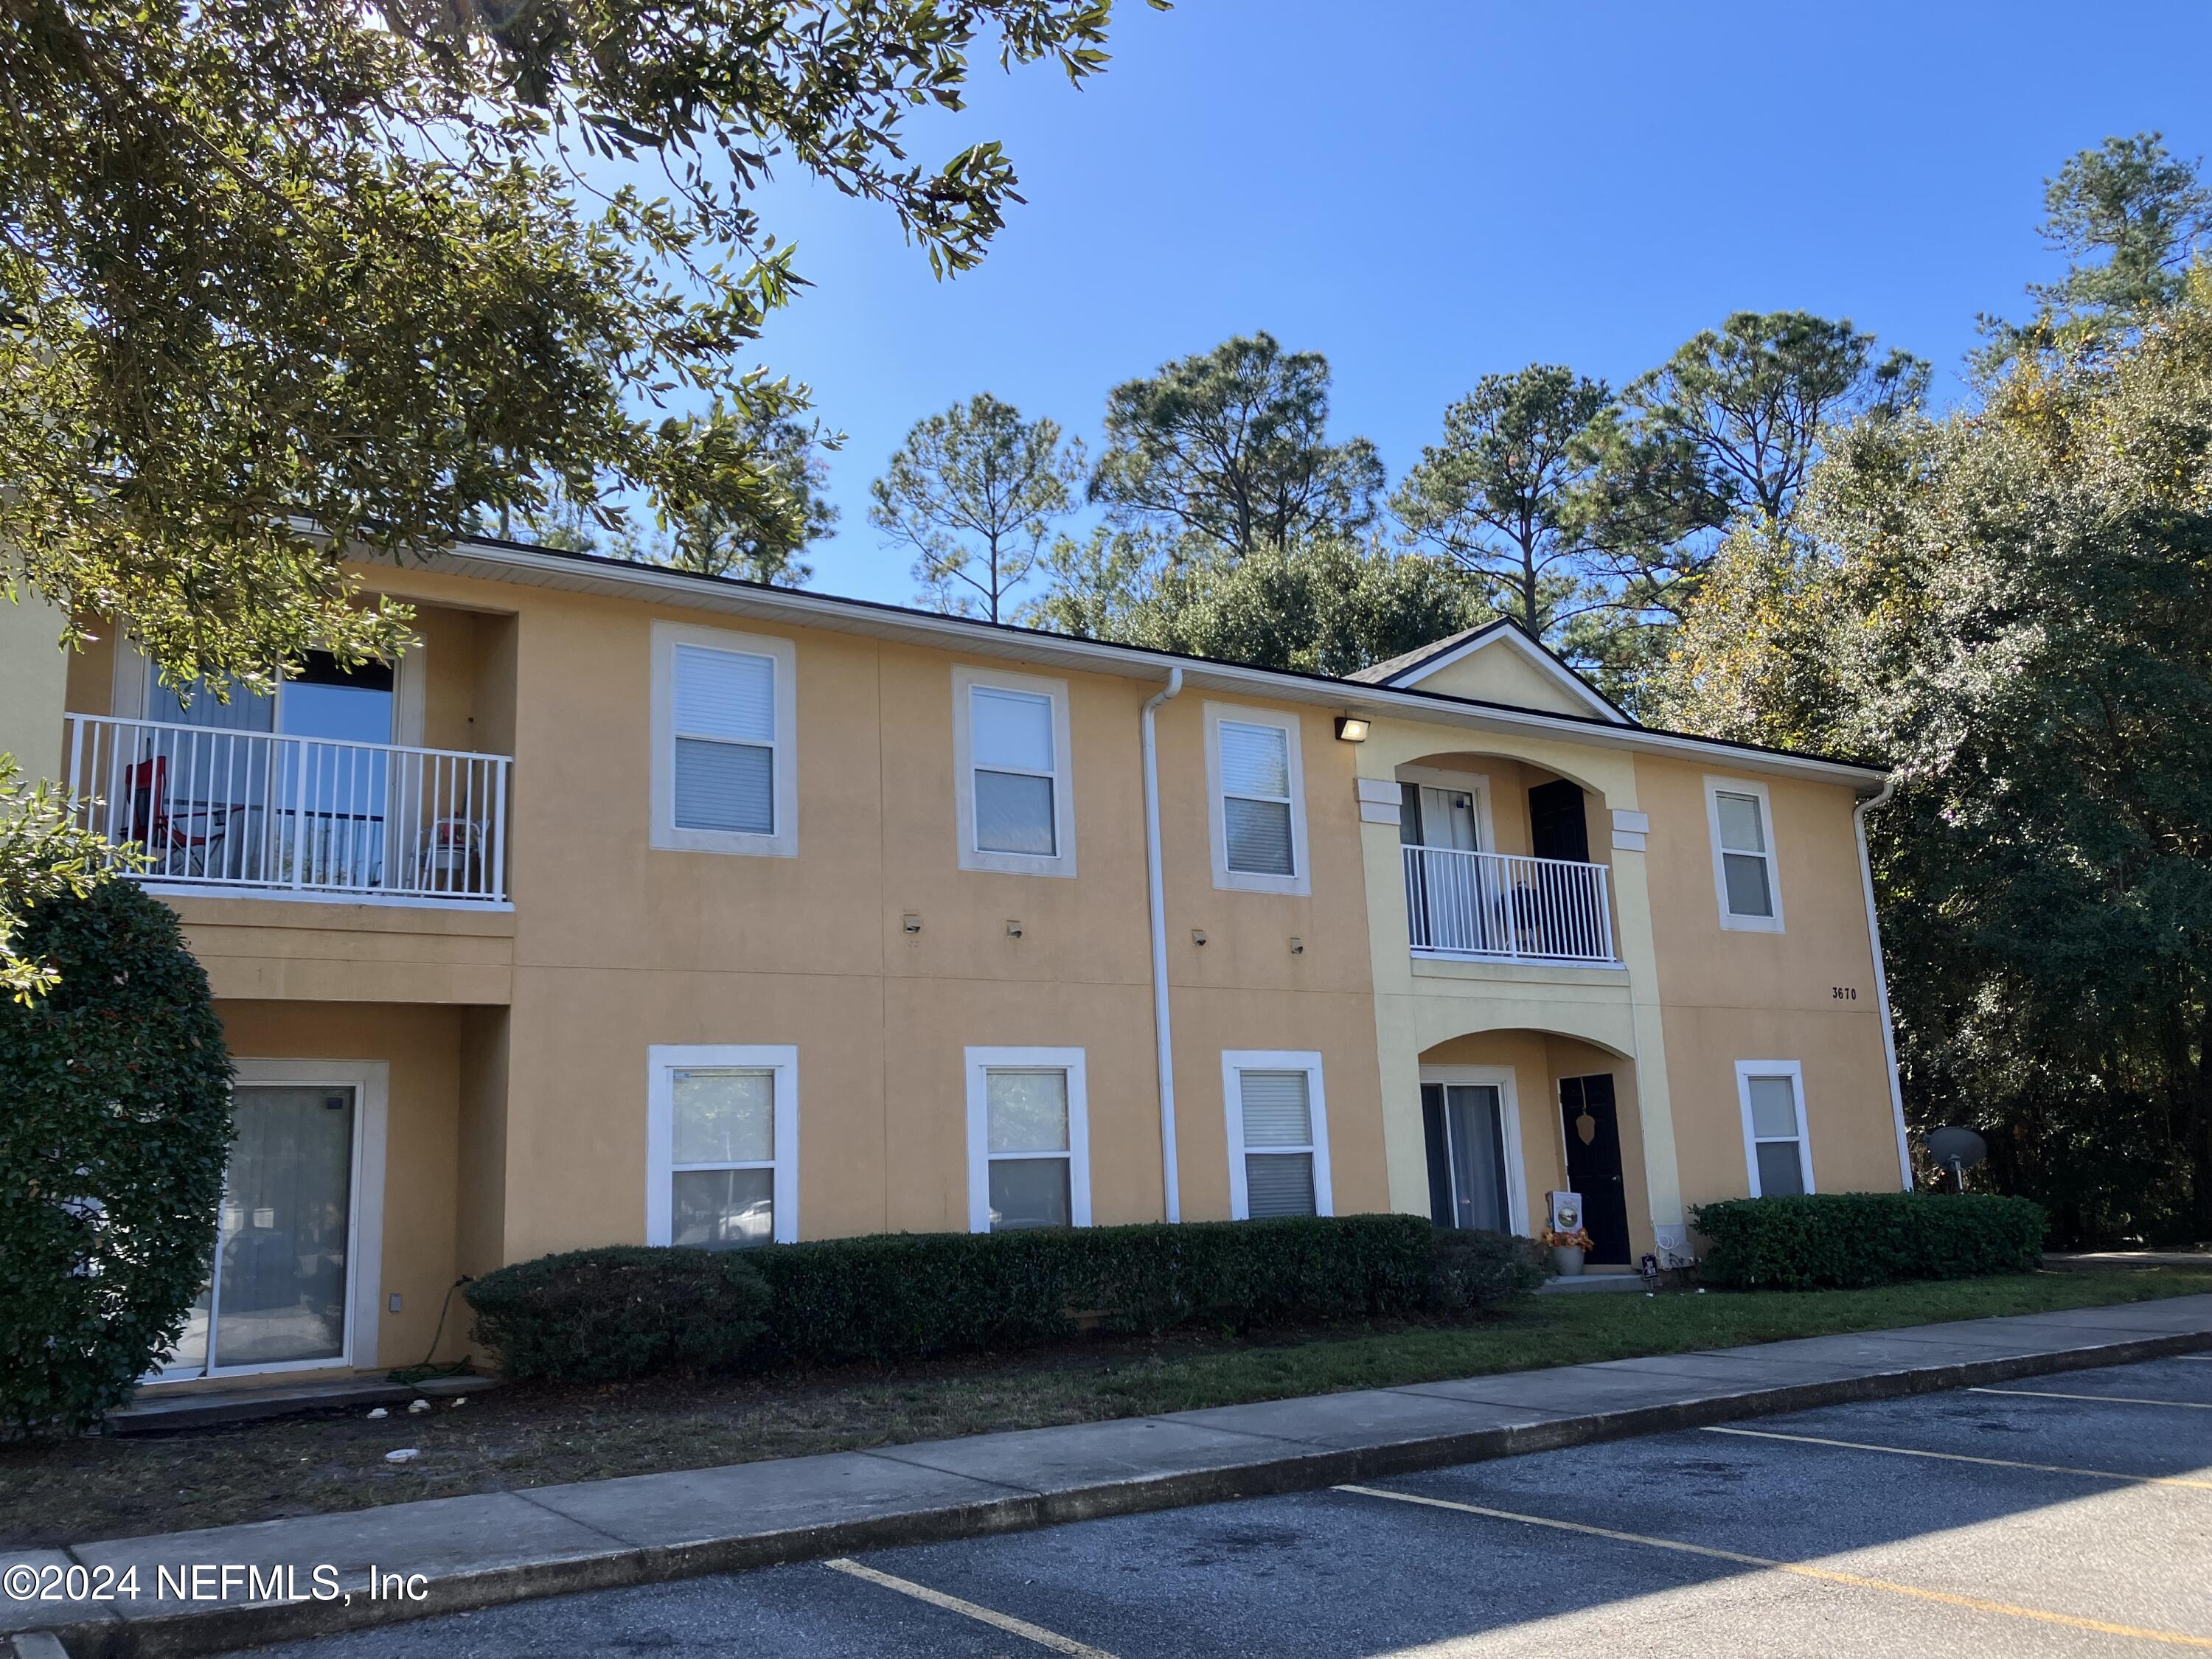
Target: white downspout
[[1882, 980], [1156, 894]]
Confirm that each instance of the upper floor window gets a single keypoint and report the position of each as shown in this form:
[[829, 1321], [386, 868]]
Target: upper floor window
[[1277, 1133], [1776, 1152], [1255, 799], [1029, 1142], [725, 751], [1015, 803], [1741, 821], [722, 1146]]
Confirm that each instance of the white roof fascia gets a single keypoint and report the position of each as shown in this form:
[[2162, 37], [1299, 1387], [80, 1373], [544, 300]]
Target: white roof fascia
[[586, 573]]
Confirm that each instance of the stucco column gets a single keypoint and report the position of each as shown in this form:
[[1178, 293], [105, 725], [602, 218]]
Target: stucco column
[[1634, 939]]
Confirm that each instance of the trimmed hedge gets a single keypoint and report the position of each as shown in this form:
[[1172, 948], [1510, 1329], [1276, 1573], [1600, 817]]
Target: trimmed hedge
[[596, 1316], [1819, 1241], [598, 1313]]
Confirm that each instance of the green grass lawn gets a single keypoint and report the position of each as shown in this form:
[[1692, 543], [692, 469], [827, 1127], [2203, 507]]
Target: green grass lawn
[[515, 1437]]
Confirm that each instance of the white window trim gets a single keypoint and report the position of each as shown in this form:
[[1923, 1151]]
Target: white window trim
[[982, 1062], [1714, 788], [662, 1062], [370, 1081], [1308, 1061], [1745, 1071], [784, 768], [1468, 783], [1300, 881], [1062, 863], [1504, 1079]]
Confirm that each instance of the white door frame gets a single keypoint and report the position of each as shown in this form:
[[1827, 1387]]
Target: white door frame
[[370, 1081], [1501, 1078]]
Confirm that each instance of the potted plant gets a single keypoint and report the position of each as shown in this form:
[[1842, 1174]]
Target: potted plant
[[1568, 1248]]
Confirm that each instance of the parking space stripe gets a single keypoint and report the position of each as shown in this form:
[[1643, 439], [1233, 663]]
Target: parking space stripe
[[1827, 1575], [2101, 1399], [1963, 1458], [991, 1616]]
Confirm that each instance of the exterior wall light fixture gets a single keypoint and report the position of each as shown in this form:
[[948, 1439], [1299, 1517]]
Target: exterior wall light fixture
[[1351, 728]]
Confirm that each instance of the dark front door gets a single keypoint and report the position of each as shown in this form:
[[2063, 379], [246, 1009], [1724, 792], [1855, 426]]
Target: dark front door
[[1592, 1126], [1557, 829]]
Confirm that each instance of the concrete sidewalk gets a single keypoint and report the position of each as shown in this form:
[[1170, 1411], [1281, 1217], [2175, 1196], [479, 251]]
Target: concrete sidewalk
[[450, 1554]]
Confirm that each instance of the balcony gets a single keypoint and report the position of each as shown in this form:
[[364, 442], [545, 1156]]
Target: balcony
[[1498, 907], [248, 812]]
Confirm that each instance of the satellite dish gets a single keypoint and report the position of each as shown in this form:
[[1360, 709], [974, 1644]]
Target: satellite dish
[[1957, 1151]]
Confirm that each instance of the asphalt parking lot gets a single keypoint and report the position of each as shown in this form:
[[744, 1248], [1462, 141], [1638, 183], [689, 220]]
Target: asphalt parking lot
[[2062, 1513]]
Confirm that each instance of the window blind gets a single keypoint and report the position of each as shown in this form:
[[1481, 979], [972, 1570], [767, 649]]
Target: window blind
[[725, 730]]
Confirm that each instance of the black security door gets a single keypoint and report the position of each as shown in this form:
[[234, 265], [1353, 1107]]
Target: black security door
[[1557, 829], [1592, 1128]]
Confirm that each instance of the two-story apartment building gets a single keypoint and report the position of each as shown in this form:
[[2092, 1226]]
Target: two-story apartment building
[[637, 906]]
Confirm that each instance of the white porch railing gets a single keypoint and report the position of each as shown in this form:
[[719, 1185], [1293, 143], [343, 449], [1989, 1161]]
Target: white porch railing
[[258, 812], [1498, 906]]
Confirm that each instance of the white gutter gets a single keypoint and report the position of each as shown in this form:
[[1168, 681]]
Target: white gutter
[[1881, 980], [1156, 895]]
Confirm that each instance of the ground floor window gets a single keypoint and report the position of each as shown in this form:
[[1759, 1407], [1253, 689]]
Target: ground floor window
[[1028, 1140], [722, 1163], [293, 1281], [1277, 1133], [1778, 1152]]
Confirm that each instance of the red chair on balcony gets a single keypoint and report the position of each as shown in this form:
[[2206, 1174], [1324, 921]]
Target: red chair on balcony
[[166, 834]]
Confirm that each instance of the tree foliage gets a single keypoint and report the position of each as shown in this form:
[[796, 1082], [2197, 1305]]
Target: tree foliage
[[280, 279], [1329, 604], [716, 543], [2016, 604], [2131, 215], [1505, 494], [1730, 427], [1232, 445], [45, 855], [112, 1148], [974, 492]]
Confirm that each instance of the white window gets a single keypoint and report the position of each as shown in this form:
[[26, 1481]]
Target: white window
[[1010, 754], [1741, 822], [1776, 1148], [1029, 1140], [1277, 1133], [725, 750], [1255, 799], [722, 1146]]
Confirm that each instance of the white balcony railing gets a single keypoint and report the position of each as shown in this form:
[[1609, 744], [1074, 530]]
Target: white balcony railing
[[258, 812], [1500, 907]]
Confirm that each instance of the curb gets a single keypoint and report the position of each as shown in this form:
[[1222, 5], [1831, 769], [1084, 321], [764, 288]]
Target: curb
[[215, 1630]]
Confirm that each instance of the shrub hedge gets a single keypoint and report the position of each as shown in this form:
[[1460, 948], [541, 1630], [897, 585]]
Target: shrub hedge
[[1817, 1241], [597, 1313], [115, 1127], [596, 1316]]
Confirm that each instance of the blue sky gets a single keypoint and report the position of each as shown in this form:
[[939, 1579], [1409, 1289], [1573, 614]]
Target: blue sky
[[1429, 191]]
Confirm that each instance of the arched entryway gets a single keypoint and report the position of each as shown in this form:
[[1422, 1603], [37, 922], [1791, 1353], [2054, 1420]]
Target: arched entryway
[[1510, 1116]]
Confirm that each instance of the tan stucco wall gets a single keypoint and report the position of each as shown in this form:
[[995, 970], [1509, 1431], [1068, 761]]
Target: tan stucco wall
[[1736, 995], [419, 1200], [1499, 673], [616, 947], [33, 681]]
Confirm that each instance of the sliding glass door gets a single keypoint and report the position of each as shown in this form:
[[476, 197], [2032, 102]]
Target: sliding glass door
[[279, 1290], [1468, 1159]]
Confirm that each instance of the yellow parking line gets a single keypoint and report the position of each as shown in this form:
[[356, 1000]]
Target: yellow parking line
[[1827, 1575], [1962, 1457], [2101, 1399], [997, 1621]]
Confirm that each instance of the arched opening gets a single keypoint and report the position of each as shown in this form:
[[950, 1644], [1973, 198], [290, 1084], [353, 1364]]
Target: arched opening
[[1501, 862], [1512, 1116]]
